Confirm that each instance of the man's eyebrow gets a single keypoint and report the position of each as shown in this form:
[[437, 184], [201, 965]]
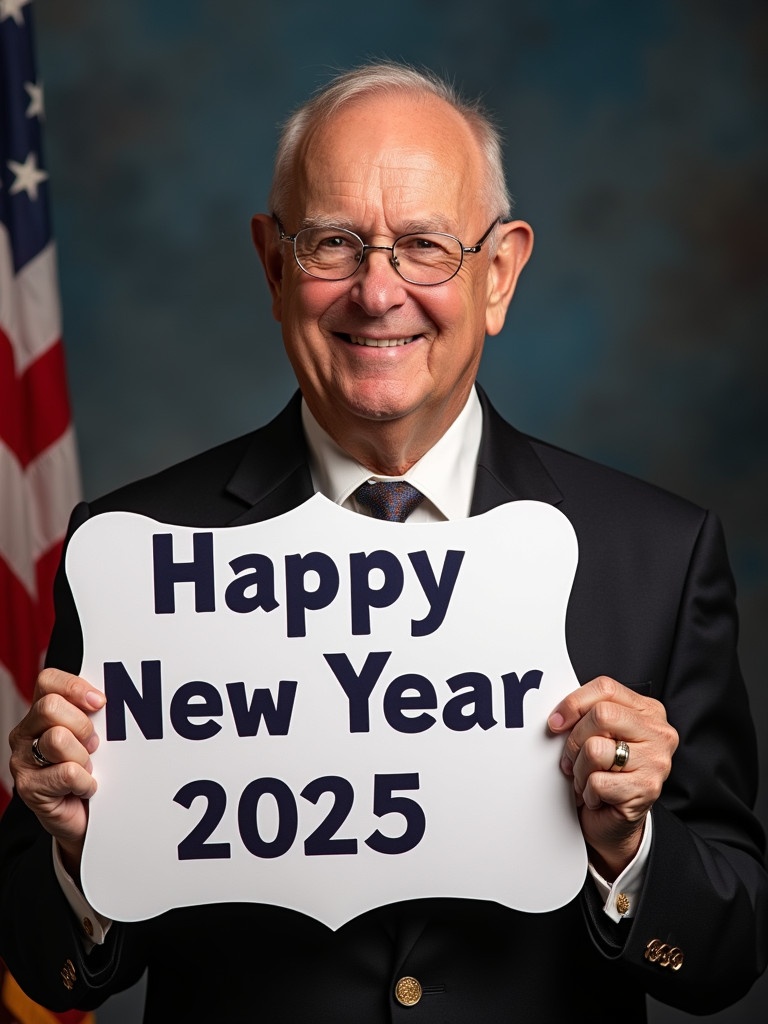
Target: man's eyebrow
[[321, 221], [426, 226]]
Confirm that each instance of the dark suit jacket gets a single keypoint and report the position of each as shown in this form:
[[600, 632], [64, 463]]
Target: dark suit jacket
[[652, 605]]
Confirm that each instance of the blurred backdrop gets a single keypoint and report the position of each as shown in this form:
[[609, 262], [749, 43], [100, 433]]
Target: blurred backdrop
[[636, 146]]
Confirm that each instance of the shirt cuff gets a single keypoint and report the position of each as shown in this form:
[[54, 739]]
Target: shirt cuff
[[620, 897], [93, 925]]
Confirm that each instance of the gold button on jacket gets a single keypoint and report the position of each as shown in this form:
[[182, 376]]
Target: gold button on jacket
[[408, 991]]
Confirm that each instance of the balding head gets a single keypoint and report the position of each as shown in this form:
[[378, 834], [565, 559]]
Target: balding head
[[396, 80]]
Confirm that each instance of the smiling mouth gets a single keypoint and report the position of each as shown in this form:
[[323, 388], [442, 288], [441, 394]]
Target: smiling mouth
[[357, 339]]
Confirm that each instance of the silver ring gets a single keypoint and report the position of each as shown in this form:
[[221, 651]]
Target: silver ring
[[41, 759], [621, 756]]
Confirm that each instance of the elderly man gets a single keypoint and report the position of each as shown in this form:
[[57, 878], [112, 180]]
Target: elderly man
[[390, 256]]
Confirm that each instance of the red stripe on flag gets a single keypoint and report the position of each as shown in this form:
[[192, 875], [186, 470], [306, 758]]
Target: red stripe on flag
[[19, 649], [34, 408]]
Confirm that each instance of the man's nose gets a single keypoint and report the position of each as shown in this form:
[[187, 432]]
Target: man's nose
[[377, 287]]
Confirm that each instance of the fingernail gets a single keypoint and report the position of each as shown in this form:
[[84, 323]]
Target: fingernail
[[92, 743], [556, 720], [565, 765], [95, 699]]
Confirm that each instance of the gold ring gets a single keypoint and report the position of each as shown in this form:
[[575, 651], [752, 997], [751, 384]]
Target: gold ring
[[38, 755], [621, 755]]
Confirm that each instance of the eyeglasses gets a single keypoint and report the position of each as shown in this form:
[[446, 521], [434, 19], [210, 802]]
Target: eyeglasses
[[424, 257]]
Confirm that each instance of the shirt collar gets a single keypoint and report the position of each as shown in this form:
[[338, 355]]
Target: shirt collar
[[445, 474]]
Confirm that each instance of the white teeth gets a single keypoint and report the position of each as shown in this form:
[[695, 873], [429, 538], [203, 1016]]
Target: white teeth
[[356, 339]]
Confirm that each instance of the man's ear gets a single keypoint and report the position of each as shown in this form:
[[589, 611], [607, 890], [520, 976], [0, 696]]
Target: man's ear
[[513, 250], [265, 238]]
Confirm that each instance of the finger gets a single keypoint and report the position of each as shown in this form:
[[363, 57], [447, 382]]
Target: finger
[[629, 794], [577, 703], [46, 788], [611, 722], [75, 689], [596, 755], [52, 711], [58, 745], [58, 796], [596, 777]]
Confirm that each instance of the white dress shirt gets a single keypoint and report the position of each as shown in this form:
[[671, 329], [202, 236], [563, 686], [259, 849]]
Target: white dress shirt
[[445, 475]]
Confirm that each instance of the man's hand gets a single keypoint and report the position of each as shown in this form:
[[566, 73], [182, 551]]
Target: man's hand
[[59, 719], [613, 803]]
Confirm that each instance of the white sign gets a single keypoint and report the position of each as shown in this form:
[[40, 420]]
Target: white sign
[[327, 712]]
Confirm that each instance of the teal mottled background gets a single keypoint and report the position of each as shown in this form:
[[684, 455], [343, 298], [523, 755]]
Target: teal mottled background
[[636, 146]]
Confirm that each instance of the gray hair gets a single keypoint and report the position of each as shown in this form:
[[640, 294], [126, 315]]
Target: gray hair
[[382, 78]]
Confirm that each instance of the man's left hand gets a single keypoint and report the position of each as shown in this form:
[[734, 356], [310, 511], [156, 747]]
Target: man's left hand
[[613, 802]]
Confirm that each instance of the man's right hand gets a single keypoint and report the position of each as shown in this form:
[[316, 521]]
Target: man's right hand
[[59, 719]]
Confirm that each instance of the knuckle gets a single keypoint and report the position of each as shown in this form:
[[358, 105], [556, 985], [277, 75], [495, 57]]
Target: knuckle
[[51, 680], [46, 680], [58, 738], [673, 738], [654, 710], [51, 706], [606, 686], [69, 773], [595, 749], [17, 766], [606, 714], [14, 736]]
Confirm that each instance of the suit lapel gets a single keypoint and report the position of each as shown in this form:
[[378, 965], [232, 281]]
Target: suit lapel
[[273, 476], [508, 468]]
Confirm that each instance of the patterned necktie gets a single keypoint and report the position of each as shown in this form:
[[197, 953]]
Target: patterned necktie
[[393, 500]]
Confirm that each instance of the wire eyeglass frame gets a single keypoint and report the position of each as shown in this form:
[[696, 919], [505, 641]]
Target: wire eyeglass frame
[[393, 260]]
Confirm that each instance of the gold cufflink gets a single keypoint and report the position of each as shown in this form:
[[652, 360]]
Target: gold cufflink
[[664, 955], [68, 975]]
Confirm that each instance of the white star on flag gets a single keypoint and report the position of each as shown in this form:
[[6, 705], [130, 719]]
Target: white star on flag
[[12, 9], [28, 176], [36, 106]]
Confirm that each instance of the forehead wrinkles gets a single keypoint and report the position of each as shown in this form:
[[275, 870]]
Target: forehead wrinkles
[[401, 179], [401, 155]]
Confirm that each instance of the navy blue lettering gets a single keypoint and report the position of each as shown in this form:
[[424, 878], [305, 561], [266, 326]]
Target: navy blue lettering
[[363, 597], [261, 577], [358, 688], [397, 701], [196, 699], [276, 714], [146, 708], [298, 599], [473, 707], [438, 592], [168, 573], [514, 691]]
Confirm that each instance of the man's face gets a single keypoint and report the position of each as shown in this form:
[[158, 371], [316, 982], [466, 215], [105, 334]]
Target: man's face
[[383, 167]]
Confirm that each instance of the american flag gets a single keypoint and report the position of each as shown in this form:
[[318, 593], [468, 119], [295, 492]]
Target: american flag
[[39, 475]]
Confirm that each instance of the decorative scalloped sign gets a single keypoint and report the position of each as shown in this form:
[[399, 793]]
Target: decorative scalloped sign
[[327, 712]]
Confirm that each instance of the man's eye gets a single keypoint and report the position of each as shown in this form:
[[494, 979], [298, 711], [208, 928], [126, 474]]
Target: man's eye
[[422, 244], [333, 242]]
